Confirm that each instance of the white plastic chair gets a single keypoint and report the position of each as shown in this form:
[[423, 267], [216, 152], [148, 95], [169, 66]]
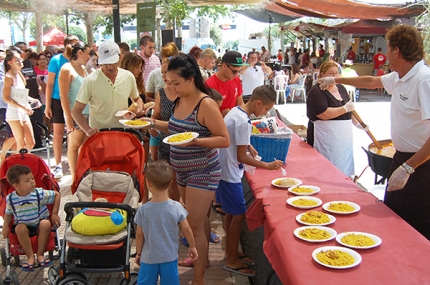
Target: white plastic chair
[[280, 83], [301, 88], [351, 92]]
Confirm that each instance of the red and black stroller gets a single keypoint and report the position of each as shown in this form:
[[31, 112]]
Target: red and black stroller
[[114, 150], [110, 167], [44, 179]]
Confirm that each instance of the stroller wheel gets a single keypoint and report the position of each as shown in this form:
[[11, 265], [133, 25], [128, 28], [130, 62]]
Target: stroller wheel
[[53, 274], [133, 279], [73, 280], [12, 279]]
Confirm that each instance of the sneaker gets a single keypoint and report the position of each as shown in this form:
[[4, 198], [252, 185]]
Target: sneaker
[[58, 172]]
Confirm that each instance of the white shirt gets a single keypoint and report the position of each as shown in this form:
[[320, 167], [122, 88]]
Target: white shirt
[[291, 58], [252, 78], [265, 56], [155, 82], [410, 107], [239, 128]]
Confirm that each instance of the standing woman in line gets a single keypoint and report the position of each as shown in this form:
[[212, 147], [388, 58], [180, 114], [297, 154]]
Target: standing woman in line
[[17, 115], [70, 79], [91, 64], [53, 109], [198, 171]]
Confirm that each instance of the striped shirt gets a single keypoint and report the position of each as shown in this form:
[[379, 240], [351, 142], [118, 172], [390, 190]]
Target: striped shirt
[[191, 158], [151, 63], [26, 207]]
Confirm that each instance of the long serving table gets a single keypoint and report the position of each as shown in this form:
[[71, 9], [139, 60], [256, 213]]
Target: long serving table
[[402, 258]]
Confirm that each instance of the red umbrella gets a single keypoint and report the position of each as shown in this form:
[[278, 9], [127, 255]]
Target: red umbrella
[[53, 37]]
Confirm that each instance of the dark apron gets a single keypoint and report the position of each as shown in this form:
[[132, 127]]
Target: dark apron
[[412, 203]]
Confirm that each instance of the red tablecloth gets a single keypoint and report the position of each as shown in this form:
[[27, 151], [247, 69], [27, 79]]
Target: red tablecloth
[[402, 258]]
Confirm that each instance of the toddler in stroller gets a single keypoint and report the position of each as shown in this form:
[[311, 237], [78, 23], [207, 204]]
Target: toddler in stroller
[[27, 211]]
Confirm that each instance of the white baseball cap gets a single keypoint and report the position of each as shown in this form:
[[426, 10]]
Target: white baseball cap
[[108, 53]]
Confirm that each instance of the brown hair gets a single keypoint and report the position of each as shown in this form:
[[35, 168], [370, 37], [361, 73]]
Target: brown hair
[[408, 40], [69, 40], [145, 39], [129, 61], [168, 50], [10, 53], [72, 50], [15, 172], [326, 66], [124, 46], [195, 51], [215, 95], [264, 93], [160, 174]]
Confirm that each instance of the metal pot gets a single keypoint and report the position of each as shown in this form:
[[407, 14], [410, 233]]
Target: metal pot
[[378, 163]]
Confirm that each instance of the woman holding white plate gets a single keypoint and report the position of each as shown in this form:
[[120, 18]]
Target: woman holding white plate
[[196, 163]]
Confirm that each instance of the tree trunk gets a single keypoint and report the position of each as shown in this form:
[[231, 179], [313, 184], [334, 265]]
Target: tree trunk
[[158, 33], [39, 30], [89, 27]]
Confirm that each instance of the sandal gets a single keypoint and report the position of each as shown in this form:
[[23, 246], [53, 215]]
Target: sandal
[[218, 208], [213, 238], [44, 263], [187, 262], [238, 270], [29, 267]]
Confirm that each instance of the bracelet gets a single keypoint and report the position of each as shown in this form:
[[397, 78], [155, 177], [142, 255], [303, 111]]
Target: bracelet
[[152, 123], [138, 254]]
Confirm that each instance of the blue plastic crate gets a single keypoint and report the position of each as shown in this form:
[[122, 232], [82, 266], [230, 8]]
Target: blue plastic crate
[[271, 146]]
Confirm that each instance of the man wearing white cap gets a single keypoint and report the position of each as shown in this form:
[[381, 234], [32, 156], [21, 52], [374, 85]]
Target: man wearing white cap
[[106, 91]]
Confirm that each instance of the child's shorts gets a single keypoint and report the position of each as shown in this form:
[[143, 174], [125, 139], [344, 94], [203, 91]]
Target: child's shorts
[[230, 196], [168, 271], [155, 141], [32, 230]]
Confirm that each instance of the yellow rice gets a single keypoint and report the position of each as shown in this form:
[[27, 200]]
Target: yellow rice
[[341, 207], [137, 123], [314, 234], [287, 182], [181, 137], [304, 202], [302, 190], [335, 257], [315, 217], [357, 240]]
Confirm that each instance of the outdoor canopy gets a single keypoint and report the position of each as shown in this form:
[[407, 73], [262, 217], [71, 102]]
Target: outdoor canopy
[[51, 38]]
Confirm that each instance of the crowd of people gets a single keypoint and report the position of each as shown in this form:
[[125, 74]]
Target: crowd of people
[[81, 90]]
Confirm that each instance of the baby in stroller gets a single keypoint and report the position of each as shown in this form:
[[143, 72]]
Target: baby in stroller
[[26, 206]]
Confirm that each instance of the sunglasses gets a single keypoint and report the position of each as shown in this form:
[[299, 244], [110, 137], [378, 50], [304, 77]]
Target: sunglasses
[[232, 70]]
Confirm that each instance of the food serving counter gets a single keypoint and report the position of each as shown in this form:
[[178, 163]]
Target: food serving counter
[[402, 258]]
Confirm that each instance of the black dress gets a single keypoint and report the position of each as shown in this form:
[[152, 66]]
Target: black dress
[[317, 103]]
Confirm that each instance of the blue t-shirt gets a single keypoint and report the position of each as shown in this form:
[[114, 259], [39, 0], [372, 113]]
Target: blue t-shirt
[[159, 223], [54, 66]]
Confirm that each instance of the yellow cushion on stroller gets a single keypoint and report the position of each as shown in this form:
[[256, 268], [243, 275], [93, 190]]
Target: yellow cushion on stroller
[[94, 222]]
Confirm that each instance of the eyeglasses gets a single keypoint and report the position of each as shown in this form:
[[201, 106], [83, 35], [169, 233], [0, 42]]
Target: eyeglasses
[[48, 56], [232, 70], [256, 69]]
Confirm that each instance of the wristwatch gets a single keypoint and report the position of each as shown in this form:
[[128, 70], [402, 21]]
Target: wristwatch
[[409, 169]]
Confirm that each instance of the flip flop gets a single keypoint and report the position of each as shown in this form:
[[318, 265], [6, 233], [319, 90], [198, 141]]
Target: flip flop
[[218, 209], [184, 241], [28, 268], [187, 262], [238, 270], [44, 263], [242, 258], [213, 238]]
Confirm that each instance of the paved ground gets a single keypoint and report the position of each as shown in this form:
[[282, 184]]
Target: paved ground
[[373, 109]]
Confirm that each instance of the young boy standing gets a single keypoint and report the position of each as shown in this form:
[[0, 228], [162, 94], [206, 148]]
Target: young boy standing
[[157, 239], [27, 205], [232, 159]]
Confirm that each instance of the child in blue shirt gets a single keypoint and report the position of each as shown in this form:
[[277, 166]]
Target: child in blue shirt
[[232, 160], [27, 205], [157, 230]]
